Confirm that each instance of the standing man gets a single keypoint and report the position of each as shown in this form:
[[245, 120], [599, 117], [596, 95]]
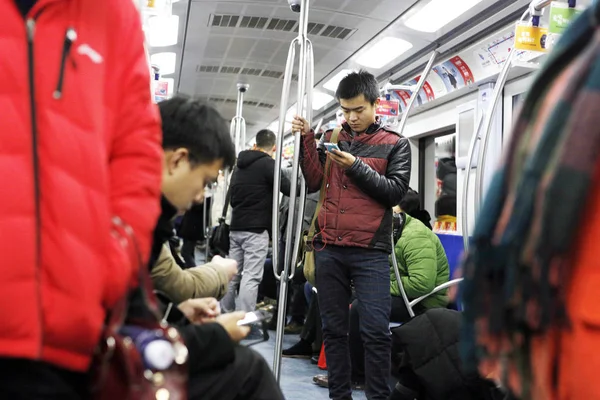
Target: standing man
[[251, 219], [368, 176]]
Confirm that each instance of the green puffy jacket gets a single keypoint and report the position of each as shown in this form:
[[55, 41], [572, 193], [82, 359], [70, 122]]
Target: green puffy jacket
[[422, 262]]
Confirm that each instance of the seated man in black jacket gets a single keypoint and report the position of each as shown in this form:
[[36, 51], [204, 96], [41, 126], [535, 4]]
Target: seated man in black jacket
[[196, 146]]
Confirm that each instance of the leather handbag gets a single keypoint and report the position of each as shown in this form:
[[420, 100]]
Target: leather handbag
[[219, 241], [309, 267], [118, 370]]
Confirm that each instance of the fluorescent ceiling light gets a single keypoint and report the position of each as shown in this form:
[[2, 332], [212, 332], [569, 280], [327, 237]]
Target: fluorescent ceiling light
[[163, 31], [320, 100], [383, 52], [438, 13], [334, 82], [166, 62]]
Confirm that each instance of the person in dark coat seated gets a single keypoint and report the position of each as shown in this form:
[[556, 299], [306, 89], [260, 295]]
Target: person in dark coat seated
[[427, 364]]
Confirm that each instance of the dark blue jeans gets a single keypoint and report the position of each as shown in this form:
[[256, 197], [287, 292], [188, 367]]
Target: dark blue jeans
[[369, 271]]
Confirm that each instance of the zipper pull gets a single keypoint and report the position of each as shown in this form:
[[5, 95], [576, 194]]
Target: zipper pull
[[70, 37], [30, 25]]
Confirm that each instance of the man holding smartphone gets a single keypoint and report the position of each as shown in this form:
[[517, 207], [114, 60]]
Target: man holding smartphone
[[369, 174]]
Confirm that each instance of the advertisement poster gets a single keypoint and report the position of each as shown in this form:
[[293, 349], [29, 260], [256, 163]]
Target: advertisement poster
[[388, 108], [561, 16], [530, 38], [455, 74]]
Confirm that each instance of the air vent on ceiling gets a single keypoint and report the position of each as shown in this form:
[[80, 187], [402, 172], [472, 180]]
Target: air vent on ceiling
[[272, 74], [278, 24], [250, 103], [215, 69]]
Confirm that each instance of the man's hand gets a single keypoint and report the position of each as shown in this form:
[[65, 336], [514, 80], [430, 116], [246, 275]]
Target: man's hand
[[200, 311], [301, 125], [341, 158], [226, 264], [229, 322]]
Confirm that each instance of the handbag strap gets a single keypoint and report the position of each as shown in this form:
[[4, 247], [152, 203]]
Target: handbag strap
[[324, 183], [117, 315], [227, 196]]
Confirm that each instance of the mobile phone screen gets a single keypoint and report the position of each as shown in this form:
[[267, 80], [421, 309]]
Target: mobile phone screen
[[252, 317], [331, 146]]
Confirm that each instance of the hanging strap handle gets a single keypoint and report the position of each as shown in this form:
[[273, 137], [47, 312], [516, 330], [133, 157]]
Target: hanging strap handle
[[323, 193]]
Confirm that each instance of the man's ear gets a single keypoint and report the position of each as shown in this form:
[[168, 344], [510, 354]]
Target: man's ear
[[176, 158], [377, 102]]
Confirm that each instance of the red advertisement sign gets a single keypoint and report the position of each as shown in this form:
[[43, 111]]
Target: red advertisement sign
[[464, 69], [388, 108]]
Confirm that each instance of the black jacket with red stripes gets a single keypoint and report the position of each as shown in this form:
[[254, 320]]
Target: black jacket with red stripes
[[357, 211]]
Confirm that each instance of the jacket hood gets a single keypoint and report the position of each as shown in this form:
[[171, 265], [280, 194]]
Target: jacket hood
[[249, 157]]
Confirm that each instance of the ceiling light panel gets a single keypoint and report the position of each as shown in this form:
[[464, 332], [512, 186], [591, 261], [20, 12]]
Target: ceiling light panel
[[383, 52], [163, 30], [438, 13]]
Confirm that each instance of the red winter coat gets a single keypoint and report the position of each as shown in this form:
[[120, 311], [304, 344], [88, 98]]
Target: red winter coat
[[79, 143]]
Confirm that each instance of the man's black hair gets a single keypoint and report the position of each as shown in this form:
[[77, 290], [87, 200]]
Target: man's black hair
[[318, 135], [265, 139], [357, 83], [411, 202], [198, 127]]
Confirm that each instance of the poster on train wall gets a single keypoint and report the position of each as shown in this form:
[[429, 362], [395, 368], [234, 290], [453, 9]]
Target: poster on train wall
[[455, 74], [530, 38], [388, 108], [561, 16]]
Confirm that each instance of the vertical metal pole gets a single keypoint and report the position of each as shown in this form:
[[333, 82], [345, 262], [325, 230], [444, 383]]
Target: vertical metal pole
[[487, 127], [465, 204], [415, 93], [291, 247], [484, 125], [399, 279]]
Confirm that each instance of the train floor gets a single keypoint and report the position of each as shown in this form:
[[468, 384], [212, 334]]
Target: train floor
[[297, 374]]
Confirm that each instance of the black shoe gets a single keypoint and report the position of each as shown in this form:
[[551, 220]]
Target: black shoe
[[314, 360], [255, 333], [302, 349], [293, 328]]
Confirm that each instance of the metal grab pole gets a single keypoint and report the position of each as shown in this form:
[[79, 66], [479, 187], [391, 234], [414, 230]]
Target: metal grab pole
[[465, 204], [414, 95], [487, 127], [292, 245], [399, 279], [498, 88]]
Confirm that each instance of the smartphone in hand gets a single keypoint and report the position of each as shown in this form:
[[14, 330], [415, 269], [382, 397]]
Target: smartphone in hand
[[331, 146]]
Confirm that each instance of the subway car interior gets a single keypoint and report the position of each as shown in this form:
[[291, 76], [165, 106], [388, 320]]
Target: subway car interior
[[452, 76]]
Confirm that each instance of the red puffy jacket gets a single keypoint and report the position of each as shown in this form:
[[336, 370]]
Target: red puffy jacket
[[79, 143]]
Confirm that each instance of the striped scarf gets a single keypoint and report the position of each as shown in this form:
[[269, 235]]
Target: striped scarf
[[518, 263]]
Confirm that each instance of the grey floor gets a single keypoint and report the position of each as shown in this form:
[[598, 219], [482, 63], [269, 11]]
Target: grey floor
[[297, 374]]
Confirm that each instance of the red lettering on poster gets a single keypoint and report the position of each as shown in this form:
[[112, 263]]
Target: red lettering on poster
[[404, 96], [464, 69]]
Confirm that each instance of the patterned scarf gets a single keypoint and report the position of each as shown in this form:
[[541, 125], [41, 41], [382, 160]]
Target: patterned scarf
[[518, 263]]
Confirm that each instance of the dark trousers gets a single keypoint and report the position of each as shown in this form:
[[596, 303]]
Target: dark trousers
[[399, 313], [312, 331], [188, 252], [369, 271], [34, 380], [248, 377]]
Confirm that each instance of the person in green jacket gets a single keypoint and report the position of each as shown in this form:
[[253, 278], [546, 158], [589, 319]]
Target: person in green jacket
[[423, 265]]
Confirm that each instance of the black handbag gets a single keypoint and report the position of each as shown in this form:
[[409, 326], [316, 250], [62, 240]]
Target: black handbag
[[219, 240]]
